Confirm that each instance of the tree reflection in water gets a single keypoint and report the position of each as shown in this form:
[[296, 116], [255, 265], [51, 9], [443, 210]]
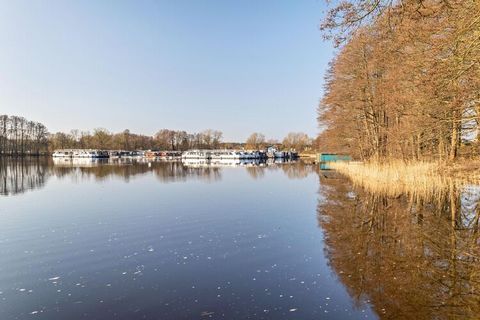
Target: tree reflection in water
[[20, 175], [411, 258]]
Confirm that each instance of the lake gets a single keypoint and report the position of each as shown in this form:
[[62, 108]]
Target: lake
[[167, 240]]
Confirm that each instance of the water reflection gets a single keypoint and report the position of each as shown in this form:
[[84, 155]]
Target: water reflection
[[238, 248], [19, 175], [409, 257]]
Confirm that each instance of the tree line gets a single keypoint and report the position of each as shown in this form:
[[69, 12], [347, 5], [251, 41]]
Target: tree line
[[296, 141], [405, 82], [19, 136], [164, 139], [175, 140]]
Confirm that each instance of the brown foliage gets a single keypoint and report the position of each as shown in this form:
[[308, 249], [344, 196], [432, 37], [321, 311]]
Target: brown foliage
[[406, 83]]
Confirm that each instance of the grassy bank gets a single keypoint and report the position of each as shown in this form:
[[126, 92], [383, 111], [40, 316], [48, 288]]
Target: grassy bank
[[423, 179]]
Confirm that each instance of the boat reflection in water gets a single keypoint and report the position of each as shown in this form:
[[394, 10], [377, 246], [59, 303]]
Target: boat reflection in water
[[199, 163], [80, 162], [410, 257], [164, 170]]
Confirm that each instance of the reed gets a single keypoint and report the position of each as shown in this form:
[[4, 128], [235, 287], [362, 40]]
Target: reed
[[425, 180]]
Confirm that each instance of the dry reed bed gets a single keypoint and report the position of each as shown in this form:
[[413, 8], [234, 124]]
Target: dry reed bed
[[425, 180]]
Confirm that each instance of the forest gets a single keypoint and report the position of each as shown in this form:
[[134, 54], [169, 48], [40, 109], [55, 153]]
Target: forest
[[405, 82]]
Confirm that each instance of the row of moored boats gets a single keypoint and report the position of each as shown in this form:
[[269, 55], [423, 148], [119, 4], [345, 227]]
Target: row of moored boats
[[99, 154], [171, 155]]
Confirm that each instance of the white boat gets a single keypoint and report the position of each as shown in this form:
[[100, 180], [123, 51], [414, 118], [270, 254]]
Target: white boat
[[225, 155], [197, 154], [62, 154], [80, 153], [243, 155], [252, 154], [138, 154], [90, 153], [249, 155], [114, 154]]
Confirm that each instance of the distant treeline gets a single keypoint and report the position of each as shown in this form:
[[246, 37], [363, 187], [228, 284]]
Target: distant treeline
[[163, 140], [297, 141], [406, 80], [19, 136], [166, 139]]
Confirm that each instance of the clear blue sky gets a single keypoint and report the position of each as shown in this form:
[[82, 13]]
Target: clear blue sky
[[236, 66]]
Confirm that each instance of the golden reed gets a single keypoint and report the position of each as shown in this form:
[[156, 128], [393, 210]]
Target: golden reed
[[424, 180]]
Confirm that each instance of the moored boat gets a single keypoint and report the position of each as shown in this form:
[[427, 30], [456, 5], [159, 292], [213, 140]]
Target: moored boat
[[225, 155], [80, 153], [197, 154], [62, 154]]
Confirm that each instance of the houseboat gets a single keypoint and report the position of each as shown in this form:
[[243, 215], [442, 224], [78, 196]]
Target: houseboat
[[97, 154], [62, 154], [151, 154], [171, 155], [254, 154], [80, 153], [272, 152], [133, 154], [114, 154], [226, 155], [163, 155], [197, 154]]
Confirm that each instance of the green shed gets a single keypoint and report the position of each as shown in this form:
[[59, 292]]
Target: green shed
[[325, 158], [332, 157]]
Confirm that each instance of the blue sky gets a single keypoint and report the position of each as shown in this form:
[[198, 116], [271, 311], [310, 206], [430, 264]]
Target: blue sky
[[236, 66]]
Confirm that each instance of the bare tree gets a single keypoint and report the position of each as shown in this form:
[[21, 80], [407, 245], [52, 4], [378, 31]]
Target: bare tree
[[297, 141], [255, 141]]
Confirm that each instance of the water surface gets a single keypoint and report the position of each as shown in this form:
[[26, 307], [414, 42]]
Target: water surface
[[164, 240]]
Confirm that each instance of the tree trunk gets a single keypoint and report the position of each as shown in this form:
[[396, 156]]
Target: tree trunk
[[454, 137]]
